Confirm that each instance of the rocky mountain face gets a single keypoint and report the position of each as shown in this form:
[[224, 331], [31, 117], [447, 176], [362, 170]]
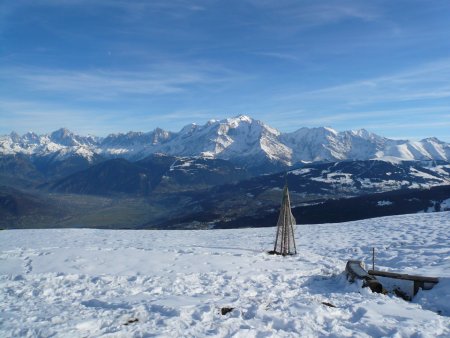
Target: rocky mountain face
[[244, 141]]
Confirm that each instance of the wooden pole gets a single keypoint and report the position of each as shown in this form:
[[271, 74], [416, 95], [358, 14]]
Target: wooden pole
[[373, 258]]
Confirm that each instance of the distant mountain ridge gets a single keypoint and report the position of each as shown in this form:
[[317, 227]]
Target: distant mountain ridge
[[241, 139]]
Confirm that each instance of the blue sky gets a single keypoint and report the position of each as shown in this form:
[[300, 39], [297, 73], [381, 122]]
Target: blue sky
[[102, 66]]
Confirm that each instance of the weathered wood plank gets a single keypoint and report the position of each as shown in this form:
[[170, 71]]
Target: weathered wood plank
[[355, 270], [404, 276]]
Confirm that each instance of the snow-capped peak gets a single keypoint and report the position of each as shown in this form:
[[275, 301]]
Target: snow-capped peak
[[361, 133], [63, 136], [31, 137], [235, 121], [432, 140], [331, 130], [243, 118], [14, 136]]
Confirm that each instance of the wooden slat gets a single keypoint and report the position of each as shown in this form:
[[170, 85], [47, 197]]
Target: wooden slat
[[404, 276], [356, 270]]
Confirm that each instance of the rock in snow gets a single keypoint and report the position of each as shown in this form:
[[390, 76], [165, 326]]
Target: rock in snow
[[82, 282]]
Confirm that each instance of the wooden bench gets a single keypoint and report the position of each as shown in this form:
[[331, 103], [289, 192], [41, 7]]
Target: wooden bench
[[426, 283]]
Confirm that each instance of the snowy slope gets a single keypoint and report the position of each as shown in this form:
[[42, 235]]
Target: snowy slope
[[326, 144], [234, 138], [241, 139], [81, 282], [369, 176], [134, 144]]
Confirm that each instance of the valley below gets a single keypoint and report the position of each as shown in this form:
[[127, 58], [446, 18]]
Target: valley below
[[205, 194]]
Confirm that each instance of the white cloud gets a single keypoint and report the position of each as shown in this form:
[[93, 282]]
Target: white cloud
[[42, 117], [408, 125], [373, 115], [299, 15], [428, 81], [22, 116], [159, 79], [278, 55]]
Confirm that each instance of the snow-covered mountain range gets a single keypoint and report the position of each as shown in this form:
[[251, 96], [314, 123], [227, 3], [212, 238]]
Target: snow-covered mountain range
[[240, 139]]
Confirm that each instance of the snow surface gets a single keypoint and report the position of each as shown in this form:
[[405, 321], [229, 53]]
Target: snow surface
[[83, 282]]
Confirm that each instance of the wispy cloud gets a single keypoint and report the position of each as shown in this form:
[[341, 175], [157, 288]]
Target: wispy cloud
[[408, 125], [22, 116], [428, 81], [160, 79], [43, 117], [305, 118], [328, 12], [133, 5], [299, 15], [172, 120], [427, 120], [132, 11], [278, 55], [417, 129]]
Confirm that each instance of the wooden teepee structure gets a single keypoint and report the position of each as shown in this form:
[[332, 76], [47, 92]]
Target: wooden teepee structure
[[285, 241]]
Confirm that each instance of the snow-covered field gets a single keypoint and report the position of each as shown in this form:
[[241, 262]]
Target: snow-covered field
[[79, 283]]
